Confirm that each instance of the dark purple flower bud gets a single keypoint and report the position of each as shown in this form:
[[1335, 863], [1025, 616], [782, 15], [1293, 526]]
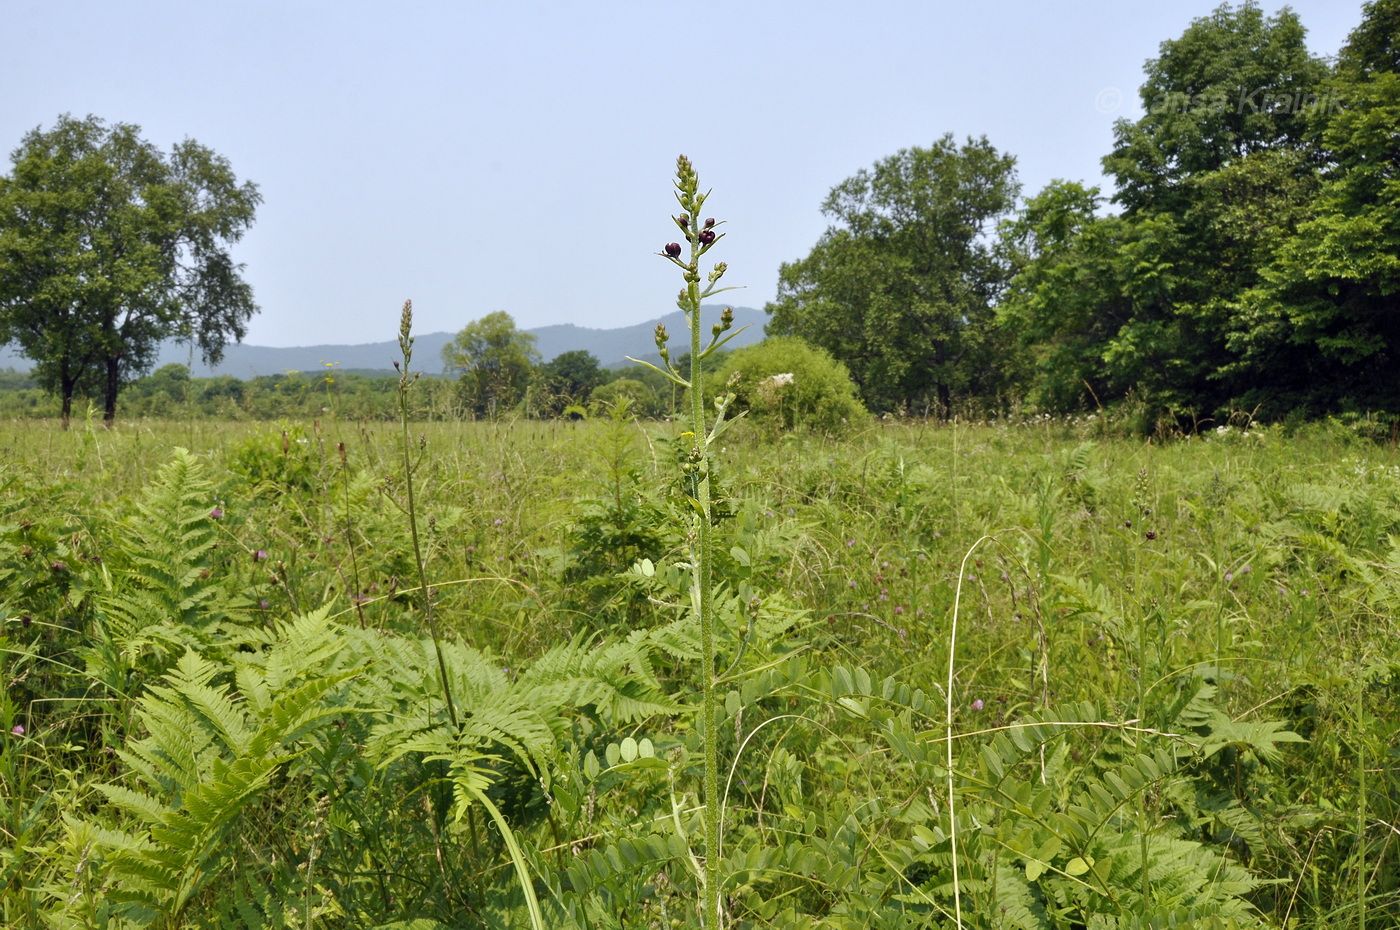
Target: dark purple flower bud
[[673, 249], [25, 620], [58, 565], [1150, 535], [709, 222], [683, 221], [707, 237]]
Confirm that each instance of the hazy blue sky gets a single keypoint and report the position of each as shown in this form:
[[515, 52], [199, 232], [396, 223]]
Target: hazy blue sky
[[517, 156]]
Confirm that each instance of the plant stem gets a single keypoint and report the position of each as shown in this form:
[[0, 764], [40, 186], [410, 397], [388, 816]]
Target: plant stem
[[700, 568], [405, 381]]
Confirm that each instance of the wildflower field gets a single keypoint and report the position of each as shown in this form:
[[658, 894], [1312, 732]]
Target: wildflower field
[[1020, 676]]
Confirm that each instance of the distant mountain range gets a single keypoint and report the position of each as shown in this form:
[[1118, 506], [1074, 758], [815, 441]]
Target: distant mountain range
[[610, 346]]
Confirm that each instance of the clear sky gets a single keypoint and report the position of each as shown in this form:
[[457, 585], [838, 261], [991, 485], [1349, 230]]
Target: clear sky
[[517, 156]]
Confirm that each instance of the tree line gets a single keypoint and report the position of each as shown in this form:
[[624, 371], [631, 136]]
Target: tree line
[[493, 372], [1247, 259]]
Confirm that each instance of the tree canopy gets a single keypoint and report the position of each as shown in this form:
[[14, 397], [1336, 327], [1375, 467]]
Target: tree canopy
[[902, 283], [569, 378], [1244, 261], [108, 246], [1254, 263], [494, 363]]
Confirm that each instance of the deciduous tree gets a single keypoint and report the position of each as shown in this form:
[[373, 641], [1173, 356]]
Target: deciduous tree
[[108, 246], [494, 363], [901, 286]]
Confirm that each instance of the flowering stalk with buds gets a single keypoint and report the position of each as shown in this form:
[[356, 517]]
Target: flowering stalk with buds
[[700, 237], [406, 381]]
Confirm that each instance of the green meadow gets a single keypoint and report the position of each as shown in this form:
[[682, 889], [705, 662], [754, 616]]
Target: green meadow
[[996, 674]]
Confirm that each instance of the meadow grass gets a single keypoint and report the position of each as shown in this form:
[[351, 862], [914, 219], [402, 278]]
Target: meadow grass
[[1261, 567]]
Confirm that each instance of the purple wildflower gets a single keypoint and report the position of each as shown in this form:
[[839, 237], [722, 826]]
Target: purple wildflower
[[17, 729], [217, 513], [977, 704]]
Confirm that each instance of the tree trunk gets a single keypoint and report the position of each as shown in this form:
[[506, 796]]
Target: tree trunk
[[109, 399], [67, 387], [945, 401]]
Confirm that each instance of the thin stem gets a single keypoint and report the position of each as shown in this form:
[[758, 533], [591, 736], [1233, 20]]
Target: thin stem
[[405, 381], [1361, 881], [701, 574], [350, 536]]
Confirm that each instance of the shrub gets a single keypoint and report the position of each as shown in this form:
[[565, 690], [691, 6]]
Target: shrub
[[786, 383], [638, 395], [281, 459]]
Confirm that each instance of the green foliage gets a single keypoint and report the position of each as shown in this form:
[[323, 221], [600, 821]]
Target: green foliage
[[1234, 82], [568, 380], [1323, 306], [165, 592], [494, 363], [1255, 240], [629, 395], [616, 527], [900, 288], [108, 246], [280, 460], [785, 383], [1117, 699], [207, 754], [1067, 298]]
